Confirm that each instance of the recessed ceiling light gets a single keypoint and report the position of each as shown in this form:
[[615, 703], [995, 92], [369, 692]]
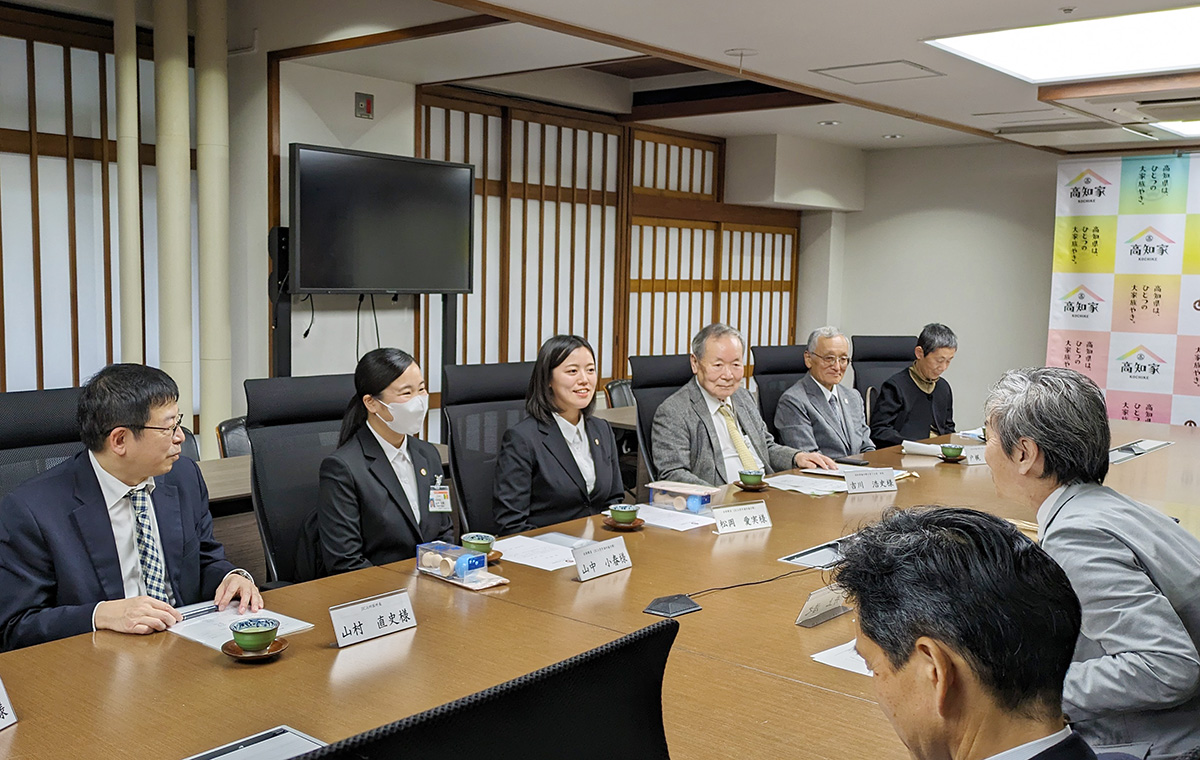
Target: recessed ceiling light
[[1181, 128], [892, 137], [1088, 49], [828, 123]]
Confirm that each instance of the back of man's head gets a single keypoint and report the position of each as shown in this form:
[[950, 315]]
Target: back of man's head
[[974, 583], [121, 395]]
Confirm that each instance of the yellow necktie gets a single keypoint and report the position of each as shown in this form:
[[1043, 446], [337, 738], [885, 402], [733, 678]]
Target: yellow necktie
[[739, 443]]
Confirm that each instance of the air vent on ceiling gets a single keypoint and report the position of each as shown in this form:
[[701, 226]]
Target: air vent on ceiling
[[1174, 110], [884, 71], [1028, 116]]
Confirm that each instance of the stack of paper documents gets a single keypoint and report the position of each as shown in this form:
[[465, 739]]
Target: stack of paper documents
[[211, 628], [1125, 452], [549, 551], [807, 485]]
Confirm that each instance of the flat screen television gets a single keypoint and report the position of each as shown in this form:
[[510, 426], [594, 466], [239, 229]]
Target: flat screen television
[[376, 223]]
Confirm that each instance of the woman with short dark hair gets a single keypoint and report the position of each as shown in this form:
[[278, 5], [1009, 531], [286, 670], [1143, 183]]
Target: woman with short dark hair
[[559, 463], [381, 491]]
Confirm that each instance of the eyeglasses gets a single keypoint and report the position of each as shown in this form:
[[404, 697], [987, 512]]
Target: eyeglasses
[[172, 429], [832, 360]]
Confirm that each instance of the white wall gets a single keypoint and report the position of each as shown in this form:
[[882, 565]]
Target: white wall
[[962, 236], [280, 24], [786, 171], [317, 107]]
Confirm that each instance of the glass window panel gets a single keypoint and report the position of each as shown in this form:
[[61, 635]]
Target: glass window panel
[[89, 246], [57, 337], [146, 105], [16, 226]]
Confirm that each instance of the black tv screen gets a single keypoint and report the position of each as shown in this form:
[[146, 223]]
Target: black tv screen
[[376, 223]]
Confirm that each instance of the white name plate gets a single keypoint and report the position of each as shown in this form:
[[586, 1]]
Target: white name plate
[[372, 617], [7, 715], [751, 515], [601, 558], [870, 479], [823, 604], [974, 454]]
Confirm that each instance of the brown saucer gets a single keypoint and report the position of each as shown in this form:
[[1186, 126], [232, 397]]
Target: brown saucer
[[494, 556], [953, 460], [233, 650], [760, 487], [624, 527]]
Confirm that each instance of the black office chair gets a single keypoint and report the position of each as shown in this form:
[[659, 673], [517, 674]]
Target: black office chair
[[776, 368], [655, 378], [479, 403], [190, 447], [232, 438], [538, 716], [876, 358], [292, 424], [619, 393], [37, 431]]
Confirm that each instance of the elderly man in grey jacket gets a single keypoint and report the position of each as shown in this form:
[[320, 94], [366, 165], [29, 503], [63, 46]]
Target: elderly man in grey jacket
[[710, 428], [1135, 683]]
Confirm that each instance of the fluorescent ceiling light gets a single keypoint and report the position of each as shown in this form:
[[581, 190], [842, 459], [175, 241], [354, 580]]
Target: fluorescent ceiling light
[[1181, 128], [1142, 43]]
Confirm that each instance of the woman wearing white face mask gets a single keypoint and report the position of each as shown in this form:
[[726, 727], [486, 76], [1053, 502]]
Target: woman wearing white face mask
[[380, 491]]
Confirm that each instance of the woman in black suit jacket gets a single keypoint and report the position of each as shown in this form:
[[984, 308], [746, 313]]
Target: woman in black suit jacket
[[364, 515], [540, 480]]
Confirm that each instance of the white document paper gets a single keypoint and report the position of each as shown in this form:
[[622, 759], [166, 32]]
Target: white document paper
[[805, 484], [669, 518], [212, 629], [843, 656], [280, 743], [544, 555], [922, 449], [841, 471], [1127, 451], [7, 715]]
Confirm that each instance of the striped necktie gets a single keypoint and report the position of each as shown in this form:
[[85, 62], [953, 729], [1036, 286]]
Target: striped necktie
[[739, 443], [154, 571]]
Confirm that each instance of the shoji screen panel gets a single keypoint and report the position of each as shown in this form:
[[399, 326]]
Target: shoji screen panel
[[677, 166], [757, 284], [672, 283], [564, 234], [57, 273]]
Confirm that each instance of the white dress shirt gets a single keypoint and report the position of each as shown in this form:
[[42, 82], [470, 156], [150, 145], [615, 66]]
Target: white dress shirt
[[402, 465], [1032, 749], [124, 527], [577, 442], [733, 463], [1043, 513]]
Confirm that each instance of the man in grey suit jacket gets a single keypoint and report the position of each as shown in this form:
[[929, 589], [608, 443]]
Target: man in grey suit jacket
[[710, 428], [817, 414], [1135, 683]]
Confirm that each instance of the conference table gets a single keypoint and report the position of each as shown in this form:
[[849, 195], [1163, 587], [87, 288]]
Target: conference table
[[740, 679]]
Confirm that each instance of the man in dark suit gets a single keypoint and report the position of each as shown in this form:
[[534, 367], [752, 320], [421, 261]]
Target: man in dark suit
[[120, 535], [819, 414], [710, 429], [970, 643]]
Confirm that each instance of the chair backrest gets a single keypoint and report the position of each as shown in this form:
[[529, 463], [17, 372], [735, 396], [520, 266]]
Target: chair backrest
[[878, 357], [231, 435], [190, 447], [37, 431], [776, 368], [479, 403], [292, 424], [619, 393], [654, 379], [538, 715]]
